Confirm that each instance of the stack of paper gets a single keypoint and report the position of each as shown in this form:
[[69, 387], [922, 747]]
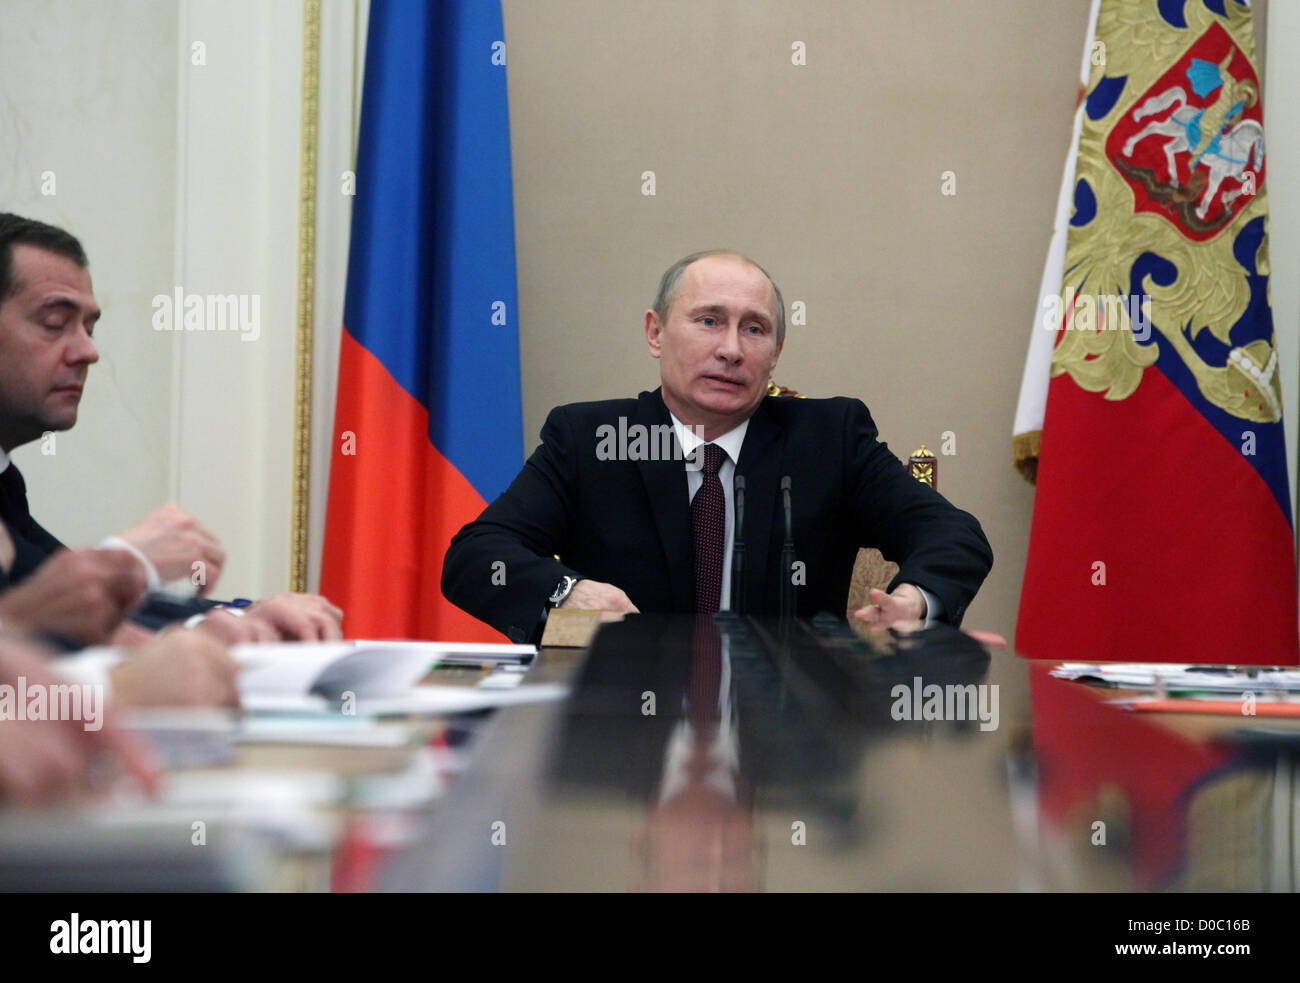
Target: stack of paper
[[1173, 678], [378, 678]]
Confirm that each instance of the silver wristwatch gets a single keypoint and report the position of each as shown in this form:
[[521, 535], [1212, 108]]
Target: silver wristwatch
[[562, 590]]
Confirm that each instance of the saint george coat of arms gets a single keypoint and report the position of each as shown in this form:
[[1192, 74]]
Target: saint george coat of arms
[[1170, 211]]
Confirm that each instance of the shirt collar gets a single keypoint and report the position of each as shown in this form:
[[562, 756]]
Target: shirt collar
[[730, 441]]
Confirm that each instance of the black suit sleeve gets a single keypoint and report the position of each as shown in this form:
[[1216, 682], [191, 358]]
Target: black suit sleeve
[[35, 544], [44, 539], [936, 545], [158, 611], [501, 568]]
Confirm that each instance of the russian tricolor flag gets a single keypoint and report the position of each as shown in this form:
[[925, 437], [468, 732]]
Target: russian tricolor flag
[[428, 422]]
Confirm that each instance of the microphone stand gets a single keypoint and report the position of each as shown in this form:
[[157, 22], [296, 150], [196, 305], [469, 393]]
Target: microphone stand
[[738, 551], [787, 609]]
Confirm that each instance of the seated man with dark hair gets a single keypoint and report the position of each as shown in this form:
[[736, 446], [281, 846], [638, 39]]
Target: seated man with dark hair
[[638, 529], [48, 315]]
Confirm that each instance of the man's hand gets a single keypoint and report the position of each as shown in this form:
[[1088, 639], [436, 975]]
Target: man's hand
[[129, 635], [81, 594], [174, 541], [178, 668], [895, 611], [300, 617], [592, 595], [237, 627], [990, 638], [45, 760], [904, 607]]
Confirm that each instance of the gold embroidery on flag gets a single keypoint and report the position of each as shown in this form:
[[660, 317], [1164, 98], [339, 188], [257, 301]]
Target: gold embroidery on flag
[[1210, 291]]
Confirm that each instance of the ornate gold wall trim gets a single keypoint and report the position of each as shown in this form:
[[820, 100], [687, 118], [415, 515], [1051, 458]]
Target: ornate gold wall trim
[[302, 373]]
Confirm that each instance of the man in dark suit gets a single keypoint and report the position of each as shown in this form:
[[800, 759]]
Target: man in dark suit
[[636, 498]]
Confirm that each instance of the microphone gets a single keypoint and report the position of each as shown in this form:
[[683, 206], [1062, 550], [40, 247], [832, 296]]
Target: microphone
[[787, 553], [738, 549]]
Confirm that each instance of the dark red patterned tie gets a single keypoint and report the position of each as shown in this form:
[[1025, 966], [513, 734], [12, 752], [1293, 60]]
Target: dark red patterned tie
[[704, 689], [709, 524]]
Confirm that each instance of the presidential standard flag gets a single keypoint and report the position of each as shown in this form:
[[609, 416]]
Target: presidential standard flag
[[428, 422], [1162, 520], [1027, 433]]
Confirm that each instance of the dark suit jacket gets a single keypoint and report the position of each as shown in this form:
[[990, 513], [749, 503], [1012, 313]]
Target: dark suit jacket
[[628, 523], [33, 545]]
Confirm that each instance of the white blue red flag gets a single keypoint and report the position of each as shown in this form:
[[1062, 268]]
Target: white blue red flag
[[428, 422]]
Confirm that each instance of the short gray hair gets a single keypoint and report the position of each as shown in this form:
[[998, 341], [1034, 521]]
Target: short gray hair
[[672, 277]]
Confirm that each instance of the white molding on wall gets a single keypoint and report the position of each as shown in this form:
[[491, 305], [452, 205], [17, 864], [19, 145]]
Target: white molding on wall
[[183, 30], [238, 148], [103, 124], [342, 56]]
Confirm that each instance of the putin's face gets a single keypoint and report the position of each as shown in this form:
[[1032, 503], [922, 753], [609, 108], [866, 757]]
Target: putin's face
[[717, 347], [45, 345]]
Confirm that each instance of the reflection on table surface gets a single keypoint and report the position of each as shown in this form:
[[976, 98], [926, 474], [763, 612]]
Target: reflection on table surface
[[742, 755]]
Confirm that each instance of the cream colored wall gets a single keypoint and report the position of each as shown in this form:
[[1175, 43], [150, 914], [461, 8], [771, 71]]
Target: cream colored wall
[[174, 169], [828, 174], [88, 92], [237, 233]]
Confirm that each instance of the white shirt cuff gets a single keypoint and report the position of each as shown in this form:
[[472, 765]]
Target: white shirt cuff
[[118, 543], [90, 667], [933, 609]]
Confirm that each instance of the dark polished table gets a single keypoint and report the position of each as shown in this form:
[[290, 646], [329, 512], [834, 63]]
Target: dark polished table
[[742, 755]]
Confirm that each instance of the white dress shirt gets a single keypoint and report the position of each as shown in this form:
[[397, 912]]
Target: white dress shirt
[[722, 751], [731, 442]]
